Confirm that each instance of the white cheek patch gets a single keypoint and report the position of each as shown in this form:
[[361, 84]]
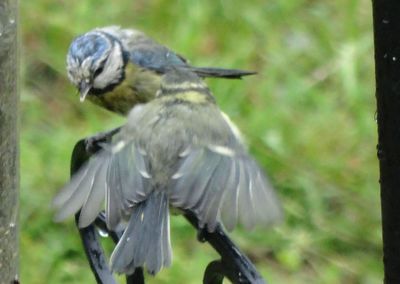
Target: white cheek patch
[[112, 71]]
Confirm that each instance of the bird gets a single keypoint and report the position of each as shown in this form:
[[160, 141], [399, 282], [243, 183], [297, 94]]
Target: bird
[[117, 68], [176, 151]]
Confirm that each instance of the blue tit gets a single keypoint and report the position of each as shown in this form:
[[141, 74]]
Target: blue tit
[[118, 68], [176, 151]]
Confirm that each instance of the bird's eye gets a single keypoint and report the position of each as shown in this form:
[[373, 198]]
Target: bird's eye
[[98, 72]]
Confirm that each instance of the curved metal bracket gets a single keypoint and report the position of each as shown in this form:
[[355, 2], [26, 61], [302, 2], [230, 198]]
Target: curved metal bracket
[[233, 264]]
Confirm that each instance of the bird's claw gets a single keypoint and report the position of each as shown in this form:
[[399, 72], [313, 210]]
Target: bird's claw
[[94, 143]]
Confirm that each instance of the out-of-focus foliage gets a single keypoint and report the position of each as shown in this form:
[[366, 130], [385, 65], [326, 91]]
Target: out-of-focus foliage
[[308, 117]]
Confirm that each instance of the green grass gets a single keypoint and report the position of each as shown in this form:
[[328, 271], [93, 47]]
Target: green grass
[[308, 117]]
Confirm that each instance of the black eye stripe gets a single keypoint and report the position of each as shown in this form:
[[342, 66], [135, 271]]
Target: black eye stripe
[[98, 71], [100, 68]]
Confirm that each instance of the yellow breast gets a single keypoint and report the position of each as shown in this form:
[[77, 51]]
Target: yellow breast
[[139, 86]]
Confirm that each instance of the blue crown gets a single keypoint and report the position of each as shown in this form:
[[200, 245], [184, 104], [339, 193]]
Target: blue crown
[[89, 45]]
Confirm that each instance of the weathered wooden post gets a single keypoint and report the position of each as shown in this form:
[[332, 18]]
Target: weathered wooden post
[[9, 153], [387, 62]]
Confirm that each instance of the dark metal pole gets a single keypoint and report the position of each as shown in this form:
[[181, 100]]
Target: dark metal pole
[[9, 165], [387, 63]]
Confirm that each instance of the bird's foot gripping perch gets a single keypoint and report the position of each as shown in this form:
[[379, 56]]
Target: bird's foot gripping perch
[[233, 264]]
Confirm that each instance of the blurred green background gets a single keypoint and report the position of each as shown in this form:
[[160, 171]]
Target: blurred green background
[[308, 117]]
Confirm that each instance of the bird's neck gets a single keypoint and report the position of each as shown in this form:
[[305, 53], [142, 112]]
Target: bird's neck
[[194, 96], [187, 93]]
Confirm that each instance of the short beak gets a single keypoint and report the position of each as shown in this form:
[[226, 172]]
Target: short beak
[[84, 89]]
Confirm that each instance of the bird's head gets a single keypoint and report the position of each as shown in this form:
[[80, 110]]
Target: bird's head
[[95, 63]]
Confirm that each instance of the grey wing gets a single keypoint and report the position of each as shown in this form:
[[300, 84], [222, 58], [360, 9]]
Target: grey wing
[[220, 184], [74, 195], [116, 175], [145, 51], [151, 55]]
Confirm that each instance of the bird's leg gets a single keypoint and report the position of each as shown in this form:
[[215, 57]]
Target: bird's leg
[[82, 151], [233, 263]]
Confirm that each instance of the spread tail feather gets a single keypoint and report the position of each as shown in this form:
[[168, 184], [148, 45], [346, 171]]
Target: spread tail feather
[[146, 240]]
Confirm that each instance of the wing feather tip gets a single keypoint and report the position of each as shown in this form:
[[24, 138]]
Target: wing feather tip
[[59, 217]]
